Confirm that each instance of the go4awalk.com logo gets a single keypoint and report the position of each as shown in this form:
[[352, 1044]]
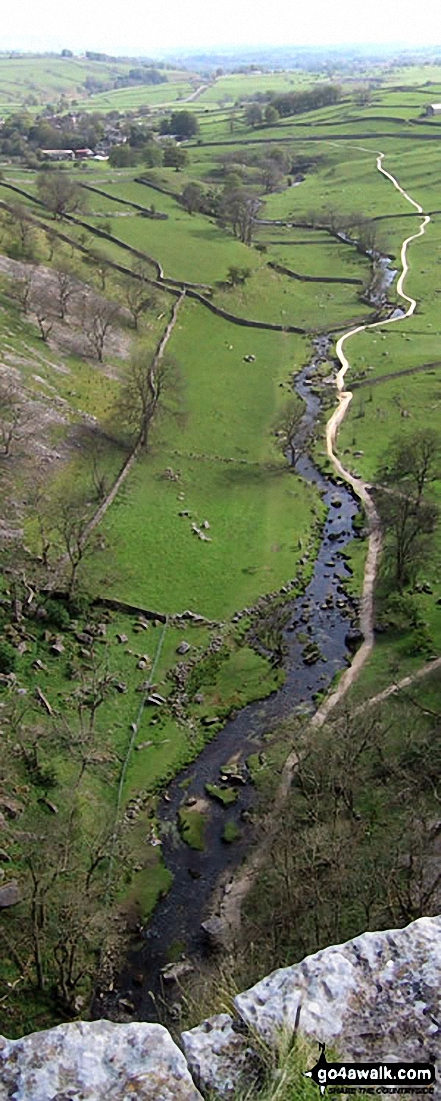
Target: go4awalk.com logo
[[379, 1078]]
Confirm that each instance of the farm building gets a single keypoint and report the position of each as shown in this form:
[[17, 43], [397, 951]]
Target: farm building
[[58, 154], [433, 109]]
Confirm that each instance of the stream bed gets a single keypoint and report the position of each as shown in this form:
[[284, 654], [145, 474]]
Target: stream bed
[[323, 613]]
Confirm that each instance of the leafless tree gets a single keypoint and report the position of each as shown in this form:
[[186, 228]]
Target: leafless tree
[[15, 417], [286, 429], [98, 316], [410, 517], [101, 267], [138, 295], [65, 284], [42, 305], [72, 527], [20, 289]]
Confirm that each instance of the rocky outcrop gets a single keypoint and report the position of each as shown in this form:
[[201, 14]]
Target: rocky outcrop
[[375, 997], [99, 1061]]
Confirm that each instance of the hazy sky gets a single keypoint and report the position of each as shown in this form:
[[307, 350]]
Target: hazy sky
[[138, 26]]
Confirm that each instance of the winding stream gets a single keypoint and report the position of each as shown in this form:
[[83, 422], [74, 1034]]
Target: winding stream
[[321, 613]]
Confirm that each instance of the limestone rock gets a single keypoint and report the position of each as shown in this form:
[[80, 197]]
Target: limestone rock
[[375, 997], [219, 1056], [173, 972], [9, 896], [11, 807], [95, 1060], [215, 932]]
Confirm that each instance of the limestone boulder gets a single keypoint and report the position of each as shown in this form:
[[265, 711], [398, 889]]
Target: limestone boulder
[[375, 997], [10, 894], [95, 1060], [220, 1056]]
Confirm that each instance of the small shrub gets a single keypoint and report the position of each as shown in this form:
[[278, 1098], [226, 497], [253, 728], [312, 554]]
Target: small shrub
[[419, 642], [44, 776], [400, 612], [8, 657], [57, 614], [79, 606]]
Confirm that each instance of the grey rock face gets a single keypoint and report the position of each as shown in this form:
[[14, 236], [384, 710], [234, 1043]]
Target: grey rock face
[[220, 1057], [99, 1061], [377, 996]]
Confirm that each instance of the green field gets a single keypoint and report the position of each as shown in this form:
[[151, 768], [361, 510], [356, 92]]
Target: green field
[[178, 87], [232, 86]]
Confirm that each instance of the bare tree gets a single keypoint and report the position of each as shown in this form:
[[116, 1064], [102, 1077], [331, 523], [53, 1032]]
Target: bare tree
[[72, 527], [98, 316], [409, 526], [412, 461], [39, 505], [20, 289], [22, 238], [286, 429], [410, 518], [42, 305], [101, 267], [137, 294], [66, 284], [98, 472], [15, 418]]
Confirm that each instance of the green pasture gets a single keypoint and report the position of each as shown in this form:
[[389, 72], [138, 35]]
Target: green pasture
[[312, 252], [30, 81], [271, 297], [220, 453], [149, 95], [234, 85], [49, 77], [408, 75], [189, 247], [342, 177]]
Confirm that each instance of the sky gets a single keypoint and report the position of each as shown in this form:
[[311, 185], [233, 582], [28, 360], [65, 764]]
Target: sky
[[137, 27]]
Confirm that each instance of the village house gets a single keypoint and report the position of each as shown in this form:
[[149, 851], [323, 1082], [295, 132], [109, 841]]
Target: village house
[[433, 109]]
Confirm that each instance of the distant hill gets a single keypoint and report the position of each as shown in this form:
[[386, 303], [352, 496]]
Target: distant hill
[[31, 80]]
